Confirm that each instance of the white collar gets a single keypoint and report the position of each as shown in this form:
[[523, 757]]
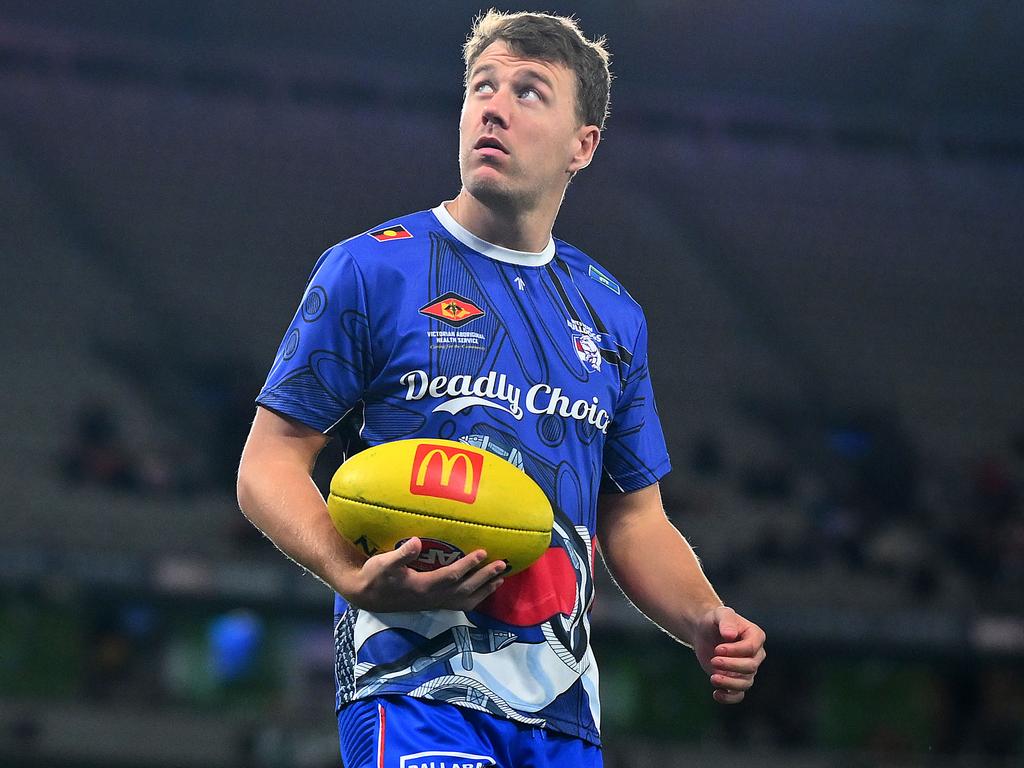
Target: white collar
[[496, 252]]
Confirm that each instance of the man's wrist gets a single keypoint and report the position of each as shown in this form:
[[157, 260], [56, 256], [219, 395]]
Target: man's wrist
[[695, 617], [348, 582], [342, 572]]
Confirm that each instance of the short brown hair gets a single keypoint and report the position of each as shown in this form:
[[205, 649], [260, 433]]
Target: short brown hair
[[549, 38]]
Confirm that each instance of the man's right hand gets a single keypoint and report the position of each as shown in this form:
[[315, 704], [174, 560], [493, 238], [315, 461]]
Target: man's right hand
[[386, 583]]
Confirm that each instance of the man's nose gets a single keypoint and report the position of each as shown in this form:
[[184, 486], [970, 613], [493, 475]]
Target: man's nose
[[496, 110]]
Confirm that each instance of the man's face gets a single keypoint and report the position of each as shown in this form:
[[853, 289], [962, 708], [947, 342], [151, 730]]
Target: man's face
[[519, 133]]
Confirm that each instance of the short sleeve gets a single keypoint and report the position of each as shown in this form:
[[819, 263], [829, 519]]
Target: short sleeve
[[635, 455], [324, 363]]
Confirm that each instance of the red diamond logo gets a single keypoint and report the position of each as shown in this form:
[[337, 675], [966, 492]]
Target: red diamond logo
[[452, 309]]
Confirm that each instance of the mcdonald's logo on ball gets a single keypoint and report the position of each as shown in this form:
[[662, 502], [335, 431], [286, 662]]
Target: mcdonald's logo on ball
[[446, 473]]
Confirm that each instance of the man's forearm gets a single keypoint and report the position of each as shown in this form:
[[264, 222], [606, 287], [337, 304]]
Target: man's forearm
[[283, 502], [658, 571]]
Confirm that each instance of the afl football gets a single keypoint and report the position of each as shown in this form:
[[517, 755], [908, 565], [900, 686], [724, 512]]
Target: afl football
[[453, 496]]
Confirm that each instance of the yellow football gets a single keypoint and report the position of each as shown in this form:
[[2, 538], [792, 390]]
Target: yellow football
[[455, 497]]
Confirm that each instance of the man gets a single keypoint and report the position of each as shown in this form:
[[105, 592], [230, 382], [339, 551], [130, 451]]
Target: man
[[408, 327]]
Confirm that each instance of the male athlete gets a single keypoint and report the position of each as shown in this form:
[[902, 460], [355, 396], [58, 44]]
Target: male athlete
[[470, 322]]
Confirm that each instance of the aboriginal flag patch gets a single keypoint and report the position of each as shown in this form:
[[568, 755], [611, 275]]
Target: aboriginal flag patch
[[394, 232], [452, 309]]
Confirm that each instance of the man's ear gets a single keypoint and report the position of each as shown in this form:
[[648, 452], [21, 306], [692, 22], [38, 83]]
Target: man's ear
[[587, 139]]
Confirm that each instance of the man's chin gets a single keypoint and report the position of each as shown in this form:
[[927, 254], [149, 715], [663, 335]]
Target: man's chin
[[494, 193]]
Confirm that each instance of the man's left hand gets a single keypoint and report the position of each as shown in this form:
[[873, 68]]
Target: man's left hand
[[730, 649]]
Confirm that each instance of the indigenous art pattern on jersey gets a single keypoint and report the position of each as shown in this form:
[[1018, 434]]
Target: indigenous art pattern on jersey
[[438, 335]]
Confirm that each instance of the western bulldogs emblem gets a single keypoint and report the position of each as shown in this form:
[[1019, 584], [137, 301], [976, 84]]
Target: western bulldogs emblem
[[587, 351], [585, 340]]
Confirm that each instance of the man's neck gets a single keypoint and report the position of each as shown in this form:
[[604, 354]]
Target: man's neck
[[523, 231]]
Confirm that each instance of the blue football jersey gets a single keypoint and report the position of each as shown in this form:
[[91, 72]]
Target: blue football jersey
[[426, 331]]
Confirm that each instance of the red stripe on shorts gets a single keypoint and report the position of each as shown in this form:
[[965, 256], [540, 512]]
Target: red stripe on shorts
[[380, 735]]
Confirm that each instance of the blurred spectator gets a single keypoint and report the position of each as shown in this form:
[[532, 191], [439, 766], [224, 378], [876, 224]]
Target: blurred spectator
[[97, 455], [122, 639]]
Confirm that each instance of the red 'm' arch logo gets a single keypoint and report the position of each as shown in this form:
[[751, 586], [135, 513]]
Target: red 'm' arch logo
[[446, 473]]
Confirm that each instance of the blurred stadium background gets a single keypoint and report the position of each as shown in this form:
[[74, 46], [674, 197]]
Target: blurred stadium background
[[819, 203]]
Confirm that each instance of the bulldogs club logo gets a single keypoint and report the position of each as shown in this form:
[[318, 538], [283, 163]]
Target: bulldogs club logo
[[587, 351], [584, 341]]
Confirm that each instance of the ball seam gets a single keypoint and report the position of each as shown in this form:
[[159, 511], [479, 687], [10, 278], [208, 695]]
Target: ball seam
[[438, 517]]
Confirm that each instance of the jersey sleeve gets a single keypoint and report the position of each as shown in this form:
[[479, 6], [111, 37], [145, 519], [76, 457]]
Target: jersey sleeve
[[635, 455], [325, 361]]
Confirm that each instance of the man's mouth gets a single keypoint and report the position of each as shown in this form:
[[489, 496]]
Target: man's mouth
[[485, 143]]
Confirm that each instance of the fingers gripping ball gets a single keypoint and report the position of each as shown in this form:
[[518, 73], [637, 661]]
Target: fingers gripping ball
[[454, 497]]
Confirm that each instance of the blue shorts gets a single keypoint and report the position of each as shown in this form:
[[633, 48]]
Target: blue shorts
[[403, 732]]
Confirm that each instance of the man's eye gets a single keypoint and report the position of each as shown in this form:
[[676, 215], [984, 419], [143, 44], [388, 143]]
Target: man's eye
[[483, 87], [529, 94]]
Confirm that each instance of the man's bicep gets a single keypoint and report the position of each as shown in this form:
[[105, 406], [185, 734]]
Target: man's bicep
[[274, 436], [617, 513]]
